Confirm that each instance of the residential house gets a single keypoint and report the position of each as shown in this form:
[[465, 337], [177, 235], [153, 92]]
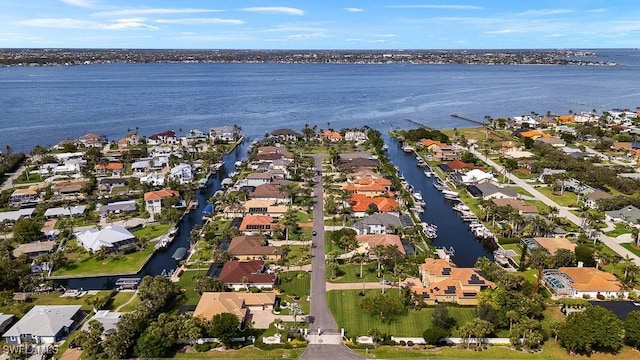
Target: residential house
[[141, 166], [431, 145], [331, 135], [222, 133], [551, 244], [628, 214], [382, 223], [239, 304], [533, 134], [256, 207], [129, 140], [68, 187], [362, 204], [582, 282], [550, 172], [182, 173], [109, 169], [112, 237], [44, 324], [195, 135], [258, 224], [270, 192], [153, 199], [356, 164], [34, 249], [165, 137], [369, 186], [445, 153], [152, 179], [488, 191], [523, 209], [286, 134], [370, 241], [91, 140], [247, 247], [65, 211], [118, 207], [108, 184], [355, 135], [553, 141], [458, 165], [242, 274], [442, 282], [16, 214], [108, 319], [256, 179], [25, 196], [472, 177], [591, 199]]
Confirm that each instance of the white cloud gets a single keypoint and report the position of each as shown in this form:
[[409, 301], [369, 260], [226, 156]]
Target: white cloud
[[501, 32], [201, 21], [150, 11], [81, 3], [443, 7], [385, 35], [308, 36], [69, 23], [295, 28], [545, 12], [353, 9], [600, 10], [275, 10]]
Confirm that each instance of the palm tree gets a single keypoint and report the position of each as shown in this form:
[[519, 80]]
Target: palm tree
[[540, 259]]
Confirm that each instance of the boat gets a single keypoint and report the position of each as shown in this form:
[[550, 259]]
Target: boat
[[173, 231], [208, 210], [417, 196], [237, 164], [428, 173], [180, 253], [450, 193], [202, 183], [460, 207], [385, 147], [408, 149]]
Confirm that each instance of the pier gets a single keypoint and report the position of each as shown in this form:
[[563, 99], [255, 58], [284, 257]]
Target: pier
[[418, 123], [458, 116]]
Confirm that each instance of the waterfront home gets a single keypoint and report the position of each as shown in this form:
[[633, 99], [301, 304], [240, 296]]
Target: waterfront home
[[44, 324], [243, 274], [590, 199], [256, 179], [331, 135], [34, 249], [152, 179], [65, 211], [369, 186], [240, 304], [357, 164], [112, 237], [256, 207], [258, 224], [361, 205], [108, 319], [488, 191], [118, 207], [24, 196], [382, 223], [165, 137], [445, 153], [523, 209], [270, 149], [195, 135], [553, 141], [182, 173], [550, 172], [582, 282], [109, 169], [129, 140], [141, 166], [628, 214], [369, 241], [222, 133], [270, 192], [442, 282], [525, 119], [473, 177], [91, 140], [248, 247], [107, 184], [286, 134], [457, 165], [355, 135], [153, 199], [430, 144], [551, 244], [5, 321]]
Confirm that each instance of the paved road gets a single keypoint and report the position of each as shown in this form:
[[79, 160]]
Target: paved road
[[563, 211], [324, 346]]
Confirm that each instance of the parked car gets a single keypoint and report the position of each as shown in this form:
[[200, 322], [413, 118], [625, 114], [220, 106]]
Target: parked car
[[314, 233], [385, 282]]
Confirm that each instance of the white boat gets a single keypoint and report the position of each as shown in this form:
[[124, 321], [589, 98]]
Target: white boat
[[407, 149], [428, 173], [237, 164], [460, 207], [385, 147], [417, 196], [450, 193]]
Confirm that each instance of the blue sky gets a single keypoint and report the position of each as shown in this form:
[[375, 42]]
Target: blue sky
[[320, 24]]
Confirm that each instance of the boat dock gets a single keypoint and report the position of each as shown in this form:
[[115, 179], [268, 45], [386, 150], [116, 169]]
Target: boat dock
[[127, 283], [458, 116], [418, 123]]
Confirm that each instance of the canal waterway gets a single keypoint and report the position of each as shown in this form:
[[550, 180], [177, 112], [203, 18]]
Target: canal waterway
[[452, 231], [162, 261]]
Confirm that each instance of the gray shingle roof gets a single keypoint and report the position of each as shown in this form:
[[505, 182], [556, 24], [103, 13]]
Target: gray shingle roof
[[44, 320]]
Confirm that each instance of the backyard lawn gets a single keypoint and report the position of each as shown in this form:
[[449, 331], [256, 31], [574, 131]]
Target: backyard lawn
[[188, 296], [118, 264], [619, 230], [566, 199], [348, 273], [292, 284], [345, 306]]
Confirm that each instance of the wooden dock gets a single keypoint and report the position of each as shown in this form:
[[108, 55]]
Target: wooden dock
[[418, 123], [458, 116]]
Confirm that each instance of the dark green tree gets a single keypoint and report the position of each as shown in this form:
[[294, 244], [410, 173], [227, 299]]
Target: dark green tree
[[91, 340], [632, 329], [596, 328], [441, 317], [27, 230], [225, 327], [433, 335]]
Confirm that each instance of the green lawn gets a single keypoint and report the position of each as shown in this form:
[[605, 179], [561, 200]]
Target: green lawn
[[345, 306], [295, 283], [619, 230], [120, 298], [112, 264], [54, 298], [188, 296], [152, 231], [248, 352], [299, 255], [631, 247], [348, 273], [566, 199]]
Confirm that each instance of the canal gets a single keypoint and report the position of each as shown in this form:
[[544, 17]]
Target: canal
[[162, 262], [452, 231]]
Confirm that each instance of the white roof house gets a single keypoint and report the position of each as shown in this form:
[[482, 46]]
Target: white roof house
[[108, 319], [63, 211], [111, 237], [476, 175], [182, 172], [43, 324]]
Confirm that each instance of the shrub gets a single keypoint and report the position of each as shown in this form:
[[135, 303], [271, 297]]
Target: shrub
[[204, 347], [508, 240]]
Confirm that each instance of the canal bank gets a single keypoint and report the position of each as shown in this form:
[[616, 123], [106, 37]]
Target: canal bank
[[161, 262], [452, 231]]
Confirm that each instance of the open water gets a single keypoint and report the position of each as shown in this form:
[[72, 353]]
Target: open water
[[43, 105]]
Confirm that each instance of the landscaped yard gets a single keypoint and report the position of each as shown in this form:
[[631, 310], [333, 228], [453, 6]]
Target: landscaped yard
[[349, 272], [249, 352], [188, 296], [292, 284], [565, 199], [111, 264], [152, 231], [632, 247], [345, 306], [619, 230], [53, 298], [120, 298]]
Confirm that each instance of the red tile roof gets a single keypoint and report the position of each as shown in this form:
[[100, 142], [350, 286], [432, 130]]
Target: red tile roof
[[233, 272]]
